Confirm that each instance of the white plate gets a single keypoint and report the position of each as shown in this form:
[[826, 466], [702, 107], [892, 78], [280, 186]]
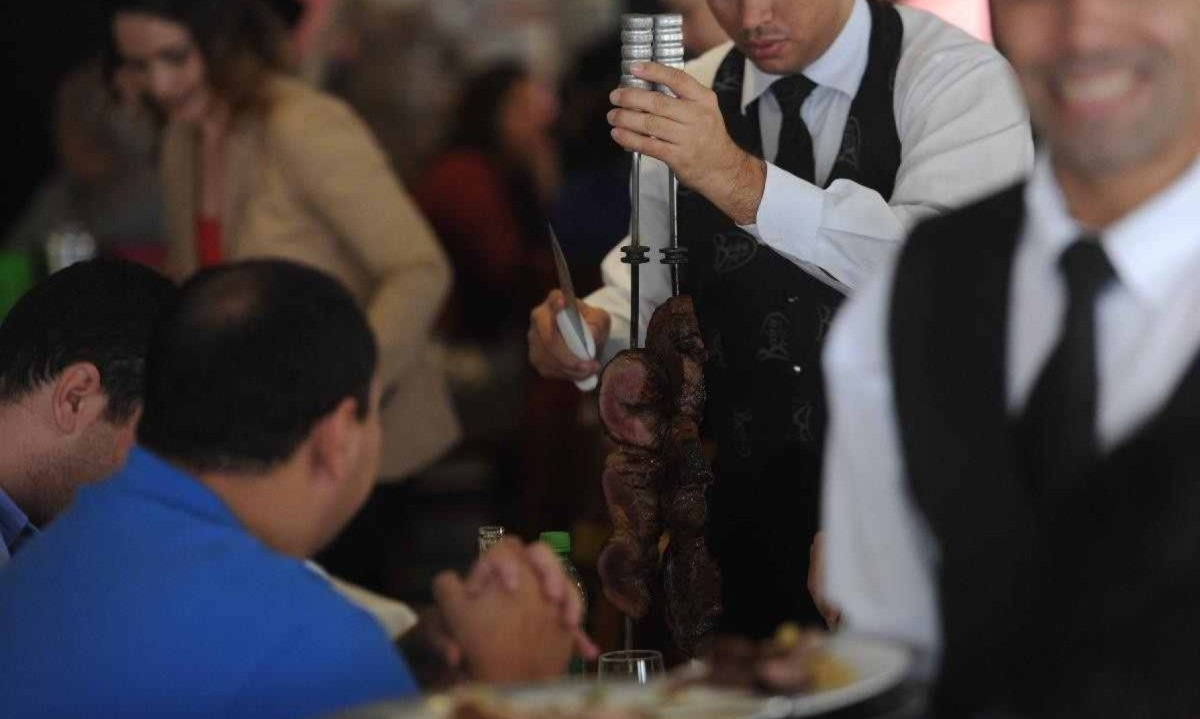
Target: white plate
[[692, 703], [878, 666]]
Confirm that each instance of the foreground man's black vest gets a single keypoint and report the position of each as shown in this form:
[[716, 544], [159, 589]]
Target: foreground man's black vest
[[1075, 601], [764, 320]]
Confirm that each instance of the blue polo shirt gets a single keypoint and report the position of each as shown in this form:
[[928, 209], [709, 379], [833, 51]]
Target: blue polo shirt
[[148, 598], [15, 528]]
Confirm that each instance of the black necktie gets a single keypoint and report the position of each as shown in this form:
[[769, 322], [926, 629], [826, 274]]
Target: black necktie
[[795, 143], [1058, 428]]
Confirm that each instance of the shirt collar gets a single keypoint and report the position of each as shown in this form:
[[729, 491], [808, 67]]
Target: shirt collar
[[148, 474], [13, 523], [841, 67], [1153, 249]]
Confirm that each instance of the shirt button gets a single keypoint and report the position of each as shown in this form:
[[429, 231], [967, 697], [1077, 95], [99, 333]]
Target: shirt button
[[793, 300], [797, 368]]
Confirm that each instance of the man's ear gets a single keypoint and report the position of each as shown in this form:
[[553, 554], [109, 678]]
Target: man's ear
[[78, 398], [334, 443]]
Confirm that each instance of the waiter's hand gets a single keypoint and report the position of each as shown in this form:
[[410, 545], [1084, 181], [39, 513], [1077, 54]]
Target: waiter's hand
[[688, 134], [548, 352], [816, 584]]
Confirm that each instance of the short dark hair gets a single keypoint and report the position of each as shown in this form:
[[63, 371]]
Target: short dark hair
[[242, 42], [252, 356], [100, 311]]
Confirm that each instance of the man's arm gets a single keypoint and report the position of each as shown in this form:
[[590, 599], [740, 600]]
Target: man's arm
[[964, 132], [879, 557]]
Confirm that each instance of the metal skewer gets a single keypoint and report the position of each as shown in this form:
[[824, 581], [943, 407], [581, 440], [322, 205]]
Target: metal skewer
[[637, 45], [668, 50]]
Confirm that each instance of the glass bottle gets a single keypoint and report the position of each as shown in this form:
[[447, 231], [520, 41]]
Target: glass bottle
[[489, 537], [560, 542]]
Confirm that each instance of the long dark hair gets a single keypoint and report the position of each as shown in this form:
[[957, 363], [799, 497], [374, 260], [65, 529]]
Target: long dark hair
[[477, 124], [242, 42]]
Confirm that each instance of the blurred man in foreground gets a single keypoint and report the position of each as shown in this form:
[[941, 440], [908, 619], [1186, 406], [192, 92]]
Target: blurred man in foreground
[[178, 586], [72, 368], [1012, 477]]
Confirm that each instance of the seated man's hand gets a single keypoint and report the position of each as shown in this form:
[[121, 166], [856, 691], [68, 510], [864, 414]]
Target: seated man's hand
[[504, 568], [507, 628]]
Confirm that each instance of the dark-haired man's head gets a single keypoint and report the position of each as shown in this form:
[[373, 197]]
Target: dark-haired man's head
[[72, 374], [261, 384]]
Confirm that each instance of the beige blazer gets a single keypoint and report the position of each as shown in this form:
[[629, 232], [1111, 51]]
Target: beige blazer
[[307, 182]]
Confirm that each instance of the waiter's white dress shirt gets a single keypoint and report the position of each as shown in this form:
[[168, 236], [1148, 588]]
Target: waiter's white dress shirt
[[880, 555], [963, 129]]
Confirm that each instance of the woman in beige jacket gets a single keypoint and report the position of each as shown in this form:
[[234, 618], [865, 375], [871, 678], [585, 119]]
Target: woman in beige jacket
[[259, 165]]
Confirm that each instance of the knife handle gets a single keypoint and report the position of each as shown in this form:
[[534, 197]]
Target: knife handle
[[582, 347]]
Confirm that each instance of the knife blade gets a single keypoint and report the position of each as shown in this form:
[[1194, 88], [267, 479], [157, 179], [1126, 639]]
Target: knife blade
[[566, 285], [570, 322]]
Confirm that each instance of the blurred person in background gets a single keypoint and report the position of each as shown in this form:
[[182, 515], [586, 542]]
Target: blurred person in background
[[257, 164], [487, 195], [399, 67], [107, 182]]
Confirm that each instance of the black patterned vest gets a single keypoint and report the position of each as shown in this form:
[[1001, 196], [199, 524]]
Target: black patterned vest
[[1080, 600], [764, 320]]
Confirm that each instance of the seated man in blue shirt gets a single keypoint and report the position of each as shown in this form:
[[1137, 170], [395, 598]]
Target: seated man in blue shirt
[[178, 587], [72, 365]]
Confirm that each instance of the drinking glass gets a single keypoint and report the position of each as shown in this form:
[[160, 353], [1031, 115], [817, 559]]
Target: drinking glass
[[632, 665]]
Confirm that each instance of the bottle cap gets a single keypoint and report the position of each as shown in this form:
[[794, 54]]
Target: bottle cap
[[560, 542]]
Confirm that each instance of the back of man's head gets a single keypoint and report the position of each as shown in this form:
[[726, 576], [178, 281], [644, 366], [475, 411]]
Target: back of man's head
[[100, 312], [252, 357]]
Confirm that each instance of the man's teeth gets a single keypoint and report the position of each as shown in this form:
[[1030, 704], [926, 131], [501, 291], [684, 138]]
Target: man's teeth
[[1098, 88]]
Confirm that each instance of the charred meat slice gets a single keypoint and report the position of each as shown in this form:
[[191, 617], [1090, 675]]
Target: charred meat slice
[[692, 585], [628, 563], [674, 329], [633, 394]]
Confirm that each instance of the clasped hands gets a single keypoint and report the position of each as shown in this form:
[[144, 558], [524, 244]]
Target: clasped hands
[[514, 618], [688, 133]]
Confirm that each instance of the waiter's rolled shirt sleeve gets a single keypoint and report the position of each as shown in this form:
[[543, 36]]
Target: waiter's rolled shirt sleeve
[[964, 131]]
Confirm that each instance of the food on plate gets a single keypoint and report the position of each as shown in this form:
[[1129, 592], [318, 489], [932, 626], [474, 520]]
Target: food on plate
[[656, 480], [485, 707], [793, 661]]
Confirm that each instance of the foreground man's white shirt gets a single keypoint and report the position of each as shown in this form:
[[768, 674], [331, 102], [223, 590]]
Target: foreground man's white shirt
[[880, 556], [964, 132]]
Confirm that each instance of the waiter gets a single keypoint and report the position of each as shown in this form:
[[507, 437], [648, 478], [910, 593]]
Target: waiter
[[1023, 416], [870, 117]]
